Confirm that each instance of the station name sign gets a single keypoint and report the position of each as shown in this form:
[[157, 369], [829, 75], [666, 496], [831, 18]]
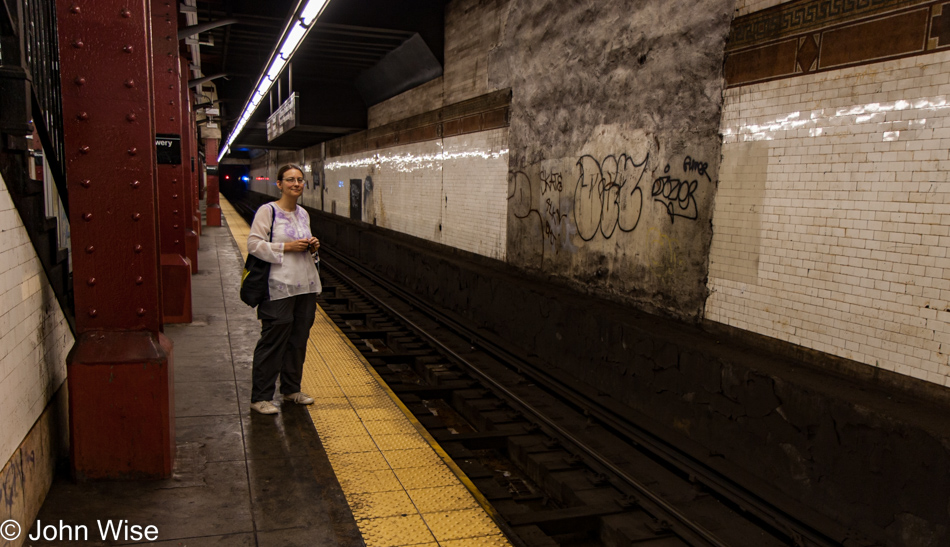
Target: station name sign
[[284, 119], [168, 148]]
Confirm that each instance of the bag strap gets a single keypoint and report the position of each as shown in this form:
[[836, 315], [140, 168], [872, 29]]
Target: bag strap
[[273, 216]]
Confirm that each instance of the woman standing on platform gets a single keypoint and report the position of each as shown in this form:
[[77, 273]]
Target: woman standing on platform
[[287, 316]]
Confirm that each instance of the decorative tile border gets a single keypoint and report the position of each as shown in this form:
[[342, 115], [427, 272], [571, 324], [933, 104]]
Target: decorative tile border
[[792, 18], [482, 113], [769, 45]]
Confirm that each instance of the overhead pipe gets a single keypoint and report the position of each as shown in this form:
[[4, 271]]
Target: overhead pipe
[[198, 81], [185, 32]]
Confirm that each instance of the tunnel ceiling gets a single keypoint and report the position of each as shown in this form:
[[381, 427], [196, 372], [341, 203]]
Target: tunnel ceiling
[[359, 52]]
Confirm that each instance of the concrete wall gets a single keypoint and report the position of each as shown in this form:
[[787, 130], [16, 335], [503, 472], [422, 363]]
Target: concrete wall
[[614, 144], [34, 341], [424, 98], [832, 223]]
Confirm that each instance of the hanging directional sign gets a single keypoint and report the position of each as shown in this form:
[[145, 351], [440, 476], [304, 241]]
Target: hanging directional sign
[[284, 119]]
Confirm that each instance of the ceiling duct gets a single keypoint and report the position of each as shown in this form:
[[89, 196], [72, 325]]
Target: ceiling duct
[[409, 65]]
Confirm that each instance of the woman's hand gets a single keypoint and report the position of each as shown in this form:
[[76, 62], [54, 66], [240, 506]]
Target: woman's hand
[[314, 245], [297, 246]]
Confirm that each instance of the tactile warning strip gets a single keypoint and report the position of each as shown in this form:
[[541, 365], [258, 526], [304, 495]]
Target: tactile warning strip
[[401, 490], [239, 228], [401, 486]]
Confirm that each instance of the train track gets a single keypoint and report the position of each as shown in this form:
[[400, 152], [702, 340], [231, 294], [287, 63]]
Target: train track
[[545, 463], [560, 468]]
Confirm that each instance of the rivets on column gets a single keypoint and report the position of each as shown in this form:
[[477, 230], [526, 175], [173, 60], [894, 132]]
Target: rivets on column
[[133, 151], [174, 226], [174, 196], [75, 9], [130, 83], [135, 184], [84, 150], [177, 242], [78, 44], [82, 116], [136, 216], [90, 249], [130, 117], [126, 13], [175, 212], [80, 80], [138, 248], [86, 183], [93, 312], [91, 282], [87, 217], [139, 280], [140, 312], [128, 48]]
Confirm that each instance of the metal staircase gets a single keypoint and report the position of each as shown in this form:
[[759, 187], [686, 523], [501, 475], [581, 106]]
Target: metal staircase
[[31, 136]]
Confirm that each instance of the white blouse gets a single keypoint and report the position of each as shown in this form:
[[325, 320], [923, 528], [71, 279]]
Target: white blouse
[[291, 273]]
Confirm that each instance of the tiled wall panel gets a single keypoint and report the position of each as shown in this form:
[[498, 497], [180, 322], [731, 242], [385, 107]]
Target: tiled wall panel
[[452, 191], [475, 175], [34, 334], [832, 222]]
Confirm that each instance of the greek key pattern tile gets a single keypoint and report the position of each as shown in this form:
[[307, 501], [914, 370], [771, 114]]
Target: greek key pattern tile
[[802, 16]]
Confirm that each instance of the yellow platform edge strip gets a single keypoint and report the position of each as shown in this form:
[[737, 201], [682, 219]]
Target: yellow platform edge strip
[[465, 480], [239, 230]]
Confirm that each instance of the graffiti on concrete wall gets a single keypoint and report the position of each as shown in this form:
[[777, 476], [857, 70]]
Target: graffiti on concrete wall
[[607, 198], [547, 210], [608, 195], [677, 195]]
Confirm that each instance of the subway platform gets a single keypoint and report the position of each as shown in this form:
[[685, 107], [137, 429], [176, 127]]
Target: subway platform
[[353, 469]]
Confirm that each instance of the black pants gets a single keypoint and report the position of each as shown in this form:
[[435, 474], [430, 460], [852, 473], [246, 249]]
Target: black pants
[[285, 327]]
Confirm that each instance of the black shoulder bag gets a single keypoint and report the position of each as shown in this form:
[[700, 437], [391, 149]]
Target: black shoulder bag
[[256, 274]]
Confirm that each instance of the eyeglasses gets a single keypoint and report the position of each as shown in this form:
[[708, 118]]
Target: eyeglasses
[[297, 180]]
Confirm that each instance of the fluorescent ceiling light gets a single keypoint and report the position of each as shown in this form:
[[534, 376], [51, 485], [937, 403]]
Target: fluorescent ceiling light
[[294, 33], [311, 11]]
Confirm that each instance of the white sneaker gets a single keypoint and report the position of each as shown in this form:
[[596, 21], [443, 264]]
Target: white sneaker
[[300, 398], [264, 407]]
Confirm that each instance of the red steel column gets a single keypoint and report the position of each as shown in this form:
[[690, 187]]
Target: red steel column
[[170, 174], [213, 203], [197, 188], [121, 398], [192, 211]]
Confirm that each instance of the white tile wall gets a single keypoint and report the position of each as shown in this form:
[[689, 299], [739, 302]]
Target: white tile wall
[[832, 221], [475, 192], [34, 335], [451, 191]]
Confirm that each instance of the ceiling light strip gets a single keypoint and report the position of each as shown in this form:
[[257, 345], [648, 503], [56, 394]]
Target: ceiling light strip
[[294, 33]]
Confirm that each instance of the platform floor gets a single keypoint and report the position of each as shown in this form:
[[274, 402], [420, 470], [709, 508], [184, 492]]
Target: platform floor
[[244, 479], [402, 488]]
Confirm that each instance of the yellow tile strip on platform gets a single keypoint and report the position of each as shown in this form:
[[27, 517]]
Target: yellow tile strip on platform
[[402, 488], [238, 226]]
